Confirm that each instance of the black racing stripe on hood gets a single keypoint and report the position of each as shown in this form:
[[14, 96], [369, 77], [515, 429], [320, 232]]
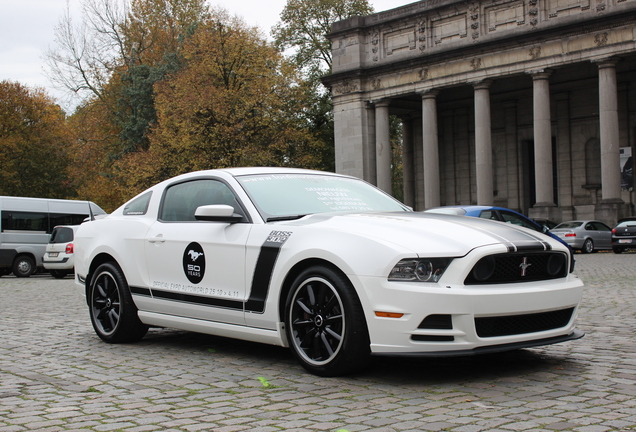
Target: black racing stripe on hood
[[516, 240]]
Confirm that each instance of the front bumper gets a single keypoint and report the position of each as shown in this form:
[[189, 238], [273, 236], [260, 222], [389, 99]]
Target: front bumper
[[490, 349], [450, 318]]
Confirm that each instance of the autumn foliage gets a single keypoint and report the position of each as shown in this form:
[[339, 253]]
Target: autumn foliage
[[34, 143], [168, 86]]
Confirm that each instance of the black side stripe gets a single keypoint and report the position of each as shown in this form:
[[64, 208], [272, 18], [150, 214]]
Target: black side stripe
[[264, 269], [196, 299], [140, 291]]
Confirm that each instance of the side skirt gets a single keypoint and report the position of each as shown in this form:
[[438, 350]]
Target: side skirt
[[271, 337]]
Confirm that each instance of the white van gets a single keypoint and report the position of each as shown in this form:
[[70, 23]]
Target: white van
[[26, 225]]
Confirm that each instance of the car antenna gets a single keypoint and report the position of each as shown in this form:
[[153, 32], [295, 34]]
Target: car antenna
[[90, 211]]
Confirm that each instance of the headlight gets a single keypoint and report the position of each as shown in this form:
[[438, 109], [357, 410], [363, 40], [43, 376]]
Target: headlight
[[419, 269]]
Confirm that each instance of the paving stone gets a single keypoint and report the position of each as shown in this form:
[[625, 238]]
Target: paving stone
[[57, 375]]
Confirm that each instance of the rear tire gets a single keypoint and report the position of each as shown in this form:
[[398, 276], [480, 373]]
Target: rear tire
[[588, 246], [59, 274], [23, 266], [618, 250], [112, 310], [325, 323]]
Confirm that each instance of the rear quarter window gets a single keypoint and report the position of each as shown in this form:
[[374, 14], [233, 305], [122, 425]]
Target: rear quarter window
[[138, 206]]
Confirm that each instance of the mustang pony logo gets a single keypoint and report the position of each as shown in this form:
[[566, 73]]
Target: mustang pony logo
[[194, 254], [524, 266], [194, 263]]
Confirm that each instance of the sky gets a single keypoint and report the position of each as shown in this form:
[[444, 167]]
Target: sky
[[27, 32]]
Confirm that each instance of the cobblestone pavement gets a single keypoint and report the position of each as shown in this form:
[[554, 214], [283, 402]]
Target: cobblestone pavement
[[56, 375]]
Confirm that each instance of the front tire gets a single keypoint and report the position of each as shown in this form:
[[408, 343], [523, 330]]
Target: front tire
[[588, 246], [23, 266], [325, 323], [618, 250], [112, 310]]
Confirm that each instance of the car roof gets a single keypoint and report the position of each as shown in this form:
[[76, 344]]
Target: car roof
[[627, 219], [73, 227]]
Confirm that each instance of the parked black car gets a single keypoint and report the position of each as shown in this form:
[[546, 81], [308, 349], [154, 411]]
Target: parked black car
[[624, 235]]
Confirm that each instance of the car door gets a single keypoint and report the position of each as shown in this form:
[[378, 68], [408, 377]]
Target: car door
[[601, 234], [197, 268]]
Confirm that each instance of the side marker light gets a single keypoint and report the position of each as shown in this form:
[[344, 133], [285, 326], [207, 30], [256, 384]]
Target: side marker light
[[388, 314]]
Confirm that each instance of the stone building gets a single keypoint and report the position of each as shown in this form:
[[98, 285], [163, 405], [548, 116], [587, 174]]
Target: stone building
[[525, 104]]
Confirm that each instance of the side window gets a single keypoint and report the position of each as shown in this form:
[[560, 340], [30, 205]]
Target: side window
[[488, 214], [181, 200], [138, 206], [67, 219], [590, 227], [25, 221], [516, 220], [602, 227]]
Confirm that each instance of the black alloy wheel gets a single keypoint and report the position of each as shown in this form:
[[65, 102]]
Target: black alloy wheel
[[325, 323], [113, 313]]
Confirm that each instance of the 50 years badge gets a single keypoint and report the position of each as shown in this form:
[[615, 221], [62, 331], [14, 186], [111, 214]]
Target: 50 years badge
[[194, 262]]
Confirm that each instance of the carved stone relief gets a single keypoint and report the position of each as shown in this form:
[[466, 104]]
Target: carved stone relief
[[505, 16], [562, 8], [398, 40], [449, 28], [600, 39], [535, 52], [421, 32], [345, 87], [375, 47]]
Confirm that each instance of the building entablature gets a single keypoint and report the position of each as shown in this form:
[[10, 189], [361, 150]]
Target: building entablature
[[434, 44]]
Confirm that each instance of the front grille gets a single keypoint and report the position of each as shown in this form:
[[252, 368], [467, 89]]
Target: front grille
[[518, 267], [521, 324]]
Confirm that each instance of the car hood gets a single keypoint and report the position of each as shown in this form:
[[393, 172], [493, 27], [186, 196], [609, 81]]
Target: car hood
[[445, 235]]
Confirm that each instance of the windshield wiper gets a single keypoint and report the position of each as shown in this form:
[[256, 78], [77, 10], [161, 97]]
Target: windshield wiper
[[285, 218]]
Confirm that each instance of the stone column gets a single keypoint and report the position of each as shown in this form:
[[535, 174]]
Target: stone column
[[408, 157], [610, 150], [383, 146], [542, 140], [368, 154], [483, 144], [430, 150]]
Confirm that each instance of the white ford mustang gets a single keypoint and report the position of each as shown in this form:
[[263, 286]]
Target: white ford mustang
[[323, 263]]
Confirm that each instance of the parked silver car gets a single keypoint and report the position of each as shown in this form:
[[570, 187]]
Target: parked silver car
[[585, 235]]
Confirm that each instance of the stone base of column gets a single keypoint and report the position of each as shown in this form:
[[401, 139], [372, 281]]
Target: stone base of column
[[566, 214], [611, 210], [545, 211]]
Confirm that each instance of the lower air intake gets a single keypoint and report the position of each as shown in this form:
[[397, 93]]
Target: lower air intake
[[521, 324]]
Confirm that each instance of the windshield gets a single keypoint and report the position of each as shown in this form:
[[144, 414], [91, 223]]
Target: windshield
[[569, 225], [281, 196]]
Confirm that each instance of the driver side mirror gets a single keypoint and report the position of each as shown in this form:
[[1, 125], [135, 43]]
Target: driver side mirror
[[217, 213]]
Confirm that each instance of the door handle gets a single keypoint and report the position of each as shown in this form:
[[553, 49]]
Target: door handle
[[157, 239]]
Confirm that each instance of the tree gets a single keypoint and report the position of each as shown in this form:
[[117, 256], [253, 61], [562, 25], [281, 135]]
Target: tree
[[236, 102], [118, 53], [33, 144], [303, 28], [305, 24]]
